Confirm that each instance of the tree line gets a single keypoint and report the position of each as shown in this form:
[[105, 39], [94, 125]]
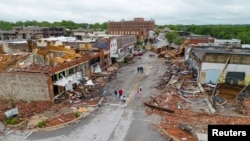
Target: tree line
[[68, 24], [241, 32]]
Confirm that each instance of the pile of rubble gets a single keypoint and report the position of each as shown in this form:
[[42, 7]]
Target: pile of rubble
[[27, 109], [185, 105]]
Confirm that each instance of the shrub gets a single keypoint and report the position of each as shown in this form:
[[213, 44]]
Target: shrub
[[41, 124], [76, 114], [14, 120], [7, 121]]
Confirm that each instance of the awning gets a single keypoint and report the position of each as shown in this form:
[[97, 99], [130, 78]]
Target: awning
[[74, 79]]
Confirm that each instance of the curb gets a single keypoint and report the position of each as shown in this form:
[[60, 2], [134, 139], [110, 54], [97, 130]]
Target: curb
[[56, 127]]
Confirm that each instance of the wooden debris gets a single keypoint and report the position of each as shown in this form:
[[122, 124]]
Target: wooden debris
[[186, 127], [157, 107]]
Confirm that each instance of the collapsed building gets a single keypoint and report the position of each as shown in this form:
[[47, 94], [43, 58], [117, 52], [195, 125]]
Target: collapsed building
[[51, 70], [202, 85], [222, 69], [44, 76]]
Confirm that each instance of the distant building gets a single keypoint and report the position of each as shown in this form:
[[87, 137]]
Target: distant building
[[53, 31], [197, 40], [31, 32], [245, 46], [126, 45], [228, 43], [138, 27], [82, 33]]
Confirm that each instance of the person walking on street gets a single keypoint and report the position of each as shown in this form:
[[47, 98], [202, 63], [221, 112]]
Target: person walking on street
[[120, 92], [141, 69], [116, 93], [123, 98], [140, 91], [137, 92], [138, 69]]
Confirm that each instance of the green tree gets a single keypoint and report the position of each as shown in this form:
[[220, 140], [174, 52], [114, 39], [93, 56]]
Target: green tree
[[171, 37], [45, 24], [178, 40], [56, 24], [104, 26], [31, 23], [6, 25], [96, 26], [69, 24], [18, 24]]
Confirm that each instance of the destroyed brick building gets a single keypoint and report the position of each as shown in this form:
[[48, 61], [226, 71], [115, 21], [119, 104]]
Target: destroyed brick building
[[48, 69], [45, 74], [55, 65]]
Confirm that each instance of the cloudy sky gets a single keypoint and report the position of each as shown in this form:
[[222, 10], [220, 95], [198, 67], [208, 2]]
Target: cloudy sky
[[98, 11]]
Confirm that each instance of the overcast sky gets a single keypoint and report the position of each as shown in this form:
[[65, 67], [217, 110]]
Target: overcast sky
[[163, 12]]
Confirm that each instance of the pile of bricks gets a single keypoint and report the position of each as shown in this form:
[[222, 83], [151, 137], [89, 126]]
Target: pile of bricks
[[29, 109], [169, 97]]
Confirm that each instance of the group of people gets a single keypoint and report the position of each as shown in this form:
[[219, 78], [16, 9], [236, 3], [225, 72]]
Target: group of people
[[120, 95], [151, 55], [140, 69]]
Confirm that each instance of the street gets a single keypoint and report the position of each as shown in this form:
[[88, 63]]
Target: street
[[114, 121], [162, 41]]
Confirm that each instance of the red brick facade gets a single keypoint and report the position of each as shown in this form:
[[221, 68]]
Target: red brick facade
[[138, 27]]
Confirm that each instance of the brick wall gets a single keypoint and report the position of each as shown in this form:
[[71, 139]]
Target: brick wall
[[25, 86]]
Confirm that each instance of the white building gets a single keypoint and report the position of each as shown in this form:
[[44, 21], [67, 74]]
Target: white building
[[228, 43]]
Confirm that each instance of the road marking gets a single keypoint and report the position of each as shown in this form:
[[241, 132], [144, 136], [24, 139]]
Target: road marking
[[9, 132], [28, 135], [133, 92]]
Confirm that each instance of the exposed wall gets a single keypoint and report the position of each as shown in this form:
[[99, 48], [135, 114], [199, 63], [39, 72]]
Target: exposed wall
[[230, 68], [25, 87], [213, 64]]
